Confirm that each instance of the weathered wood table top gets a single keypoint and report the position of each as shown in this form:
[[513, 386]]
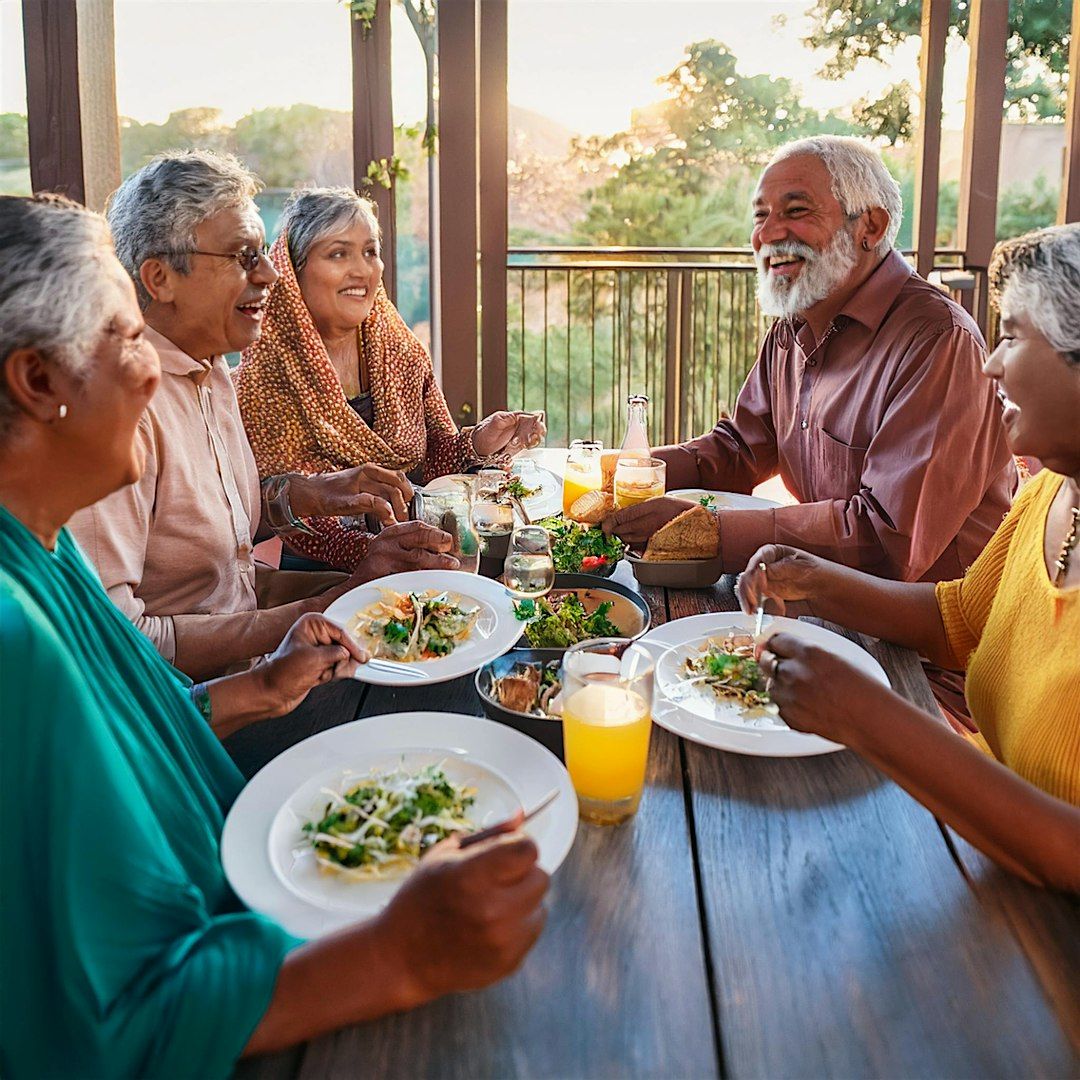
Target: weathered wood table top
[[757, 918]]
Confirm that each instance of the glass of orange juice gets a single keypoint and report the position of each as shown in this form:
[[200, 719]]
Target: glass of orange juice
[[583, 473], [607, 688], [638, 479]]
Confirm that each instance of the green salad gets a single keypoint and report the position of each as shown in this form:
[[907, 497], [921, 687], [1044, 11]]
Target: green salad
[[385, 822], [581, 549], [560, 620]]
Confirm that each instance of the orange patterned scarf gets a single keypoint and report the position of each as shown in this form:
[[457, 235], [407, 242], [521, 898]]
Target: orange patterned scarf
[[294, 409]]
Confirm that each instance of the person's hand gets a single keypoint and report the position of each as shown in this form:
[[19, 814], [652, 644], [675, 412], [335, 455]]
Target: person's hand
[[365, 489], [789, 574], [410, 545], [508, 432], [818, 691], [635, 524], [466, 918], [314, 651]]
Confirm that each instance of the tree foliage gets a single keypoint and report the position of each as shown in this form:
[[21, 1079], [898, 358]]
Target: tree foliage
[[856, 30]]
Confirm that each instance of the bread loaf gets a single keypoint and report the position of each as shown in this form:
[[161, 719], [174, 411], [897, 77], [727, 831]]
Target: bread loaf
[[694, 534]]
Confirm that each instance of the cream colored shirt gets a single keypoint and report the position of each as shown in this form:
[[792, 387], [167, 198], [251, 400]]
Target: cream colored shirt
[[178, 545]]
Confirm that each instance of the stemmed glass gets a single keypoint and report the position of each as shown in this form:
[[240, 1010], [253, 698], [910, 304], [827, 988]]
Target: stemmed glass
[[529, 570]]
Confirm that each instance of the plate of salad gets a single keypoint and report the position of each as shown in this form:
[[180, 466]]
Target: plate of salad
[[427, 626], [413, 779], [710, 690], [582, 549], [576, 610]]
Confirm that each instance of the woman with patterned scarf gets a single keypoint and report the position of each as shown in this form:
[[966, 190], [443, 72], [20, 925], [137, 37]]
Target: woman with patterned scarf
[[337, 379]]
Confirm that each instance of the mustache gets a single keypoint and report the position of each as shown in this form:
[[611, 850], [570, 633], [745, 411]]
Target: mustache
[[785, 247]]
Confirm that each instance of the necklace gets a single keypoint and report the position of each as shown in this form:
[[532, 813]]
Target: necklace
[[1072, 538], [808, 358]]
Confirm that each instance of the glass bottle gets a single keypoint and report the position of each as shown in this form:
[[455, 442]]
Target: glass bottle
[[636, 441]]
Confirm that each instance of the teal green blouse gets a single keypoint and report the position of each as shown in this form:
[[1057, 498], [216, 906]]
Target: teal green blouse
[[123, 951]]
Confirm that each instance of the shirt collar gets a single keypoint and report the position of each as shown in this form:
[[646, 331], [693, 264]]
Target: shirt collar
[[873, 298], [174, 361]]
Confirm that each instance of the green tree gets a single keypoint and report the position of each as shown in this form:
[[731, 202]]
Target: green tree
[[14, 145], [185, 129], [888, 117], [298, 144], [856, 30], [1021, 209]]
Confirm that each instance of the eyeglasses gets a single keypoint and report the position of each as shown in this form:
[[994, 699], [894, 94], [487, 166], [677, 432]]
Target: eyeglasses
[[247, 257]]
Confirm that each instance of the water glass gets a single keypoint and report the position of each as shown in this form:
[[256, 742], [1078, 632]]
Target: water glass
[[529, 570], [638, 479], [451, 511], [607, 690]]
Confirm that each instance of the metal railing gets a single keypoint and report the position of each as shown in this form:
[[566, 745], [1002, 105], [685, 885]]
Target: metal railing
[[588, 326]]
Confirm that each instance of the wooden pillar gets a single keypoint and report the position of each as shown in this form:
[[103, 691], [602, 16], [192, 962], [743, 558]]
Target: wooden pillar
[[1069, 206], [74, 133], [935, 32], [988, 34], [457, 216], [494, 122], [373, 125]]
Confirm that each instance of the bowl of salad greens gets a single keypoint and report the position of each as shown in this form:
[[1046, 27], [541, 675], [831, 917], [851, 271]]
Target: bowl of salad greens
[[578, 609], [582, 549]]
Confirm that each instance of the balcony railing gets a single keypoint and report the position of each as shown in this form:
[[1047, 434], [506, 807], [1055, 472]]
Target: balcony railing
[[588, 326]]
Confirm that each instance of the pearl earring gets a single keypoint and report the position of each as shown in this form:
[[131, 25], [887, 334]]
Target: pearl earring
[[62, 411]]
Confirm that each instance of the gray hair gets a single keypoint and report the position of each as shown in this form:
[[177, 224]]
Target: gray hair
[[155, 211], [54, 295], [312, 213], [1039, 273], [860, 180]]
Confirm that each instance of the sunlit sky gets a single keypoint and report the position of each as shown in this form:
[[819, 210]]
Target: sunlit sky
[[584, 63]]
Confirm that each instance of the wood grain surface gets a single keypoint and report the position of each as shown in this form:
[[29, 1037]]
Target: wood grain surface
[[844, 940], [760, 918]]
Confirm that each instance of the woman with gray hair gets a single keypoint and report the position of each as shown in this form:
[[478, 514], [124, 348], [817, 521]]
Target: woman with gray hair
[[337, 379], [1013, 621], [123, 950]]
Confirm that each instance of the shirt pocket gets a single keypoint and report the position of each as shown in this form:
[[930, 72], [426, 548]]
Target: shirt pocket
[[838, 467]]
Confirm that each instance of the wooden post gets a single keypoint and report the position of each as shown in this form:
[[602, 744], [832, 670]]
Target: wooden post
[[1069, 206], [935, 32], [72, 124], [373, 125], [989, 32], [494, 120], [457, 216]]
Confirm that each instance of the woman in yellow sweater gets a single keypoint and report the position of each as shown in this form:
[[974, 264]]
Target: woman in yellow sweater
[[1013, 621]]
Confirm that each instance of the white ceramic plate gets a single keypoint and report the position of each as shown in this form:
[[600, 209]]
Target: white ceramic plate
[[496, 629], [262, 848], [725, 500], [728, 726], [547, 501]]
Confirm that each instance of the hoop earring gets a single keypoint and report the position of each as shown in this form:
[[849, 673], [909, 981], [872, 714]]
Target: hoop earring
[[865, 246], [62, 411]]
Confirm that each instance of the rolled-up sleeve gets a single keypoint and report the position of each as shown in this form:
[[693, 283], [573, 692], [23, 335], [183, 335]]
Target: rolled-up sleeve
[[928, 467]]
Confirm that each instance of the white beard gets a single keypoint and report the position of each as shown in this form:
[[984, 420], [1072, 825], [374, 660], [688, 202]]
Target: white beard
[[821, 273]]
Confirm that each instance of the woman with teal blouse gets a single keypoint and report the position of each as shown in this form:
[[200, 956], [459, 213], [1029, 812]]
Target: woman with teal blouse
[[123, 951]]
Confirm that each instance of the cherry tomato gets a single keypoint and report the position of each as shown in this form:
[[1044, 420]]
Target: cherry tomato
[[592, 562]]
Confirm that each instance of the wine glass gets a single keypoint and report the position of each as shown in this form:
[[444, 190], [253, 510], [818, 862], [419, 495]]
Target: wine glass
[[529, 570]]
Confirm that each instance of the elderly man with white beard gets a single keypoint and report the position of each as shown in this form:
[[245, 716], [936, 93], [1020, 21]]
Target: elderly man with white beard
[[866, 396]]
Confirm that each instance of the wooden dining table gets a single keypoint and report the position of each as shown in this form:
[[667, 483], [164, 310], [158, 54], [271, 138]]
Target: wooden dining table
[[758, 917]]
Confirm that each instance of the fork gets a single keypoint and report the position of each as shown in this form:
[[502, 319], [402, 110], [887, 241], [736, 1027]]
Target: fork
[[392, 668]]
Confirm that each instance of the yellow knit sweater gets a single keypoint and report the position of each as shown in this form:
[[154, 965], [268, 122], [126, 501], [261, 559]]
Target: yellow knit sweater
[[1018, 636]]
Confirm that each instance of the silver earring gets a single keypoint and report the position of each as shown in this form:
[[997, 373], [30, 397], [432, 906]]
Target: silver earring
[[865, 246], [62, 411]]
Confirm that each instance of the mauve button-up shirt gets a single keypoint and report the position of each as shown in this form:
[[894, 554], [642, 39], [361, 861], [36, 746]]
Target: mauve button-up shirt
[[888, 435]]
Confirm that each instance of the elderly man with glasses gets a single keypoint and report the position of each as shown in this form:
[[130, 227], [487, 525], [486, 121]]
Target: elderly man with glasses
[[866, 398], [175, 550]]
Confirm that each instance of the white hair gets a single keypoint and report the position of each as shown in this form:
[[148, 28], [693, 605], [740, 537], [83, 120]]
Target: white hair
[[860, 180], [54, 293], [155, 211], [1039, 274], [312, 213]]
